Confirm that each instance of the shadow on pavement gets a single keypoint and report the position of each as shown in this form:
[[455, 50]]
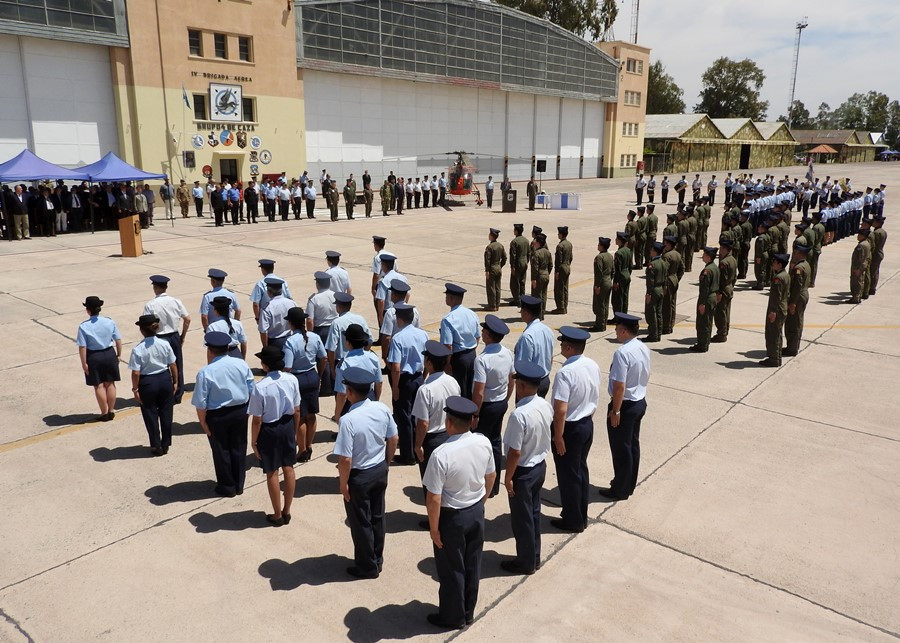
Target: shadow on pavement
[[316, 485], [206, 523], [285, 576], [136, 452], [415, 494], [389, 622], [671, 350], [75, 418], [427, 567], [739, 364], [757, 354], [188, 491], [398, 521], [189, 428]]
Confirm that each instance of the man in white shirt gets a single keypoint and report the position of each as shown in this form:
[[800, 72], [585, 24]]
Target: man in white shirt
[[576, 391], [428, 408], [340, 278], [321, 312], [426, 191], [493, 386], [417, 192], [309, 196], [711, 190], [274, 328], [457, 479], [488, 191], [639, 186], [527, 441], [628, 378], [696, 186], [170, 311]]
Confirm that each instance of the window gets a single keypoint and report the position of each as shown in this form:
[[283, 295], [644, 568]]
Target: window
[[634, 66], [221, 41], [628, 160], [245, 50], [248, 109], [200, 107], [195, 42], [629, 129], [633, 98]]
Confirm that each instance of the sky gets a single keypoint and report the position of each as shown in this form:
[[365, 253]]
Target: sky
[[848, 46]]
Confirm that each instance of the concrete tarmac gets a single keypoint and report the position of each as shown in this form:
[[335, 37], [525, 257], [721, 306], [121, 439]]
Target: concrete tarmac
[[768, 504]]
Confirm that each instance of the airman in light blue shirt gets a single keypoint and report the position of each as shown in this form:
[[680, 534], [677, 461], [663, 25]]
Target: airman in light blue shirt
[[301, 353], [226, 381], [363, 432], [97, 333], [151, 357]]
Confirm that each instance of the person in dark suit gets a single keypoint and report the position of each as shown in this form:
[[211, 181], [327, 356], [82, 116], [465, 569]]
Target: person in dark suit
[[217, 201], [16, 209], [251, 200]]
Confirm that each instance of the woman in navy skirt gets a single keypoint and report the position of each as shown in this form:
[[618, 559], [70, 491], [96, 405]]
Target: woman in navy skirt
[[99, 360], [154, 381], [275, 409], [304, 356]]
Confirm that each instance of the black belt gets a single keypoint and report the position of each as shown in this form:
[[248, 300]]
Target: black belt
[[99, 350], [278, 422], [167, 334], [463, 351], [411, 375], [628, 403]]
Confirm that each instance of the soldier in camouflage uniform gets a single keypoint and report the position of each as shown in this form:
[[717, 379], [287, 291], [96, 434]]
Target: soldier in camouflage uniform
[[652, 228], [674, 273], [657, 273], [859, 267], [640, 238], [603, 275], [541, 267], [621, 274], [879, 237], [562, 272], [761, 261], [494, 260], [798, 296], [706, 302], [519, 255], [777, 310], [727, 279]]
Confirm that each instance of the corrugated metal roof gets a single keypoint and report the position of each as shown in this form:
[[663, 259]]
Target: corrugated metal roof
[[817, 136], [670, 125], [730, 126]]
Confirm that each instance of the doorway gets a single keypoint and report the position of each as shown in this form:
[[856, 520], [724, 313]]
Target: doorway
[[228, 170], [745, 157]]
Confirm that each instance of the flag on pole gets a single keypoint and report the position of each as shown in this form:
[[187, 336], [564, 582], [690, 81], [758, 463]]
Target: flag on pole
[[809, 171], [184, 95]]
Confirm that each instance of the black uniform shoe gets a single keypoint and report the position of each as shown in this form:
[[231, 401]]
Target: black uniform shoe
[[513, 567], [606, 492], [696, 349], [436, 620], [768, 363], [719, 339], [356, 572], [563, 526], [789, 353]]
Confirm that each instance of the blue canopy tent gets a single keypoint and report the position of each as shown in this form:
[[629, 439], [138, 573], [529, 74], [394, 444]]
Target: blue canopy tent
[[25, 166], [111, 168]]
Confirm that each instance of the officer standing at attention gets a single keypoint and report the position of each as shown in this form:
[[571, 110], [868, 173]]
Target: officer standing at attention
[[652, 229], [651, 189], [664, 186], [334, 345], [493, 386], [99, 361], [386, 193], [777, 310], [428, 407], [378, 243], [358, 356], [859, 267], [225, 324], [405, 367], [259, 296], [309, 195], [603, 274], [531, 189], [639, 185], [321, 311], [696, 186], [674, 273], [494, 260], [170, 311], [304, 358], [368, 194], [541, 267], [727, 279], [275, 411], [879, 236], [349, 199], [536, 342], [671, 230], [639, 238], [527, 441], [631, 229], [656, 278], [798, 296], [154, 381], [216, 280], [629, 374], [761, 263], [460, 333], [746, 237], [576, 390], [197, 193], [399, 292], [488, 191], [340, 278], [457, 479], [519, 251], [221, 394], [621, 274], [711, 190], [706, 301], [680, 188], [563, 270], [273, 325], [366, 440], [388, 276]]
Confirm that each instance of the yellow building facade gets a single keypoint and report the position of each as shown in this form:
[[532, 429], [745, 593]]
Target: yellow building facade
[[210, 93], [623, 143]]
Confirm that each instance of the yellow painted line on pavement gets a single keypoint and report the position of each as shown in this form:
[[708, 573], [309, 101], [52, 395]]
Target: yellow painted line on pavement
[[66, 430]]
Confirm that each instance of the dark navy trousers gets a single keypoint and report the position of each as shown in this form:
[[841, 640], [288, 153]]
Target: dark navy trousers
[[174, 340], [459, 562], [157, 401], [229, 445], [365, 514], [525, 513], [572, 472], [490, 425], [625, 447], [406, 395]]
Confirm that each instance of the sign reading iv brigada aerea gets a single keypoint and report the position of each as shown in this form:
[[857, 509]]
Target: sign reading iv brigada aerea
[[225, 103]]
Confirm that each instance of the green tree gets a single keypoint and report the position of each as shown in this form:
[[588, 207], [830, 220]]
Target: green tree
[[664, 96], [731, 90], [867, 112], [892, 128], [800, 118], [590, 18], [824, 117]]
